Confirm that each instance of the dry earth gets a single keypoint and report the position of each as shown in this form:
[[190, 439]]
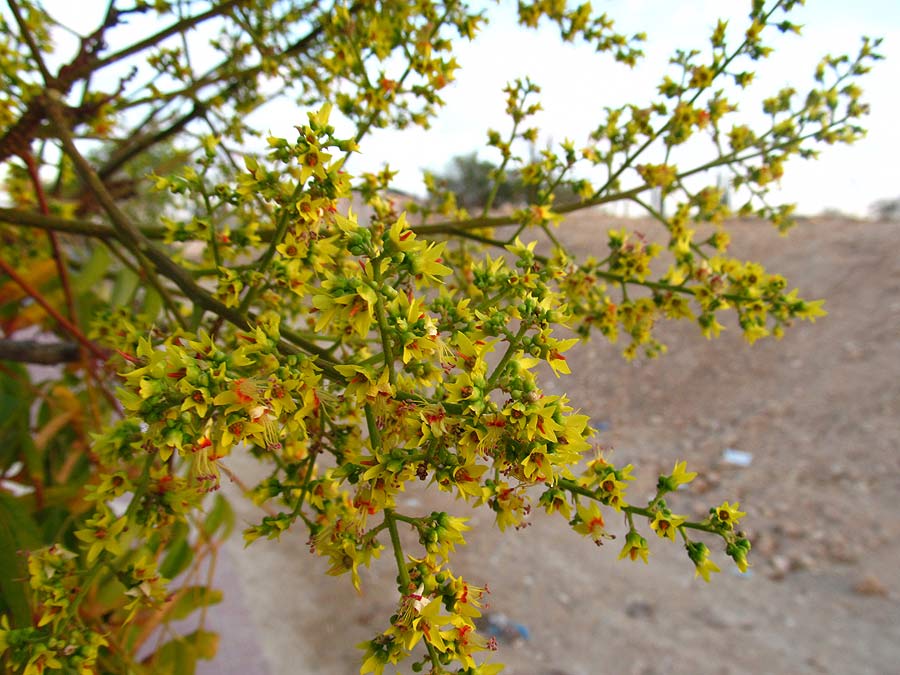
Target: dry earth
[[820, 413]]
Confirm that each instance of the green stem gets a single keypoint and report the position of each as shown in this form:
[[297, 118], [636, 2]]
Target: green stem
[[374, 433], [574, 488], [281, 228], [391, 519], [415, 522], [381, 318], [306, 482], [510, 351], [495, 188]]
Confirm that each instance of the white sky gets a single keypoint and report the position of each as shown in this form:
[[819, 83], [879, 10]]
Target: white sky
[[577, 83]]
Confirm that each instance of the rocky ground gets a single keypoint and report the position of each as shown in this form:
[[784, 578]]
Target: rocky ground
[[819, 415]]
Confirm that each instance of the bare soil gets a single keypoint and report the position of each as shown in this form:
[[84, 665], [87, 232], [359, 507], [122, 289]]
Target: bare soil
[[820, 413]]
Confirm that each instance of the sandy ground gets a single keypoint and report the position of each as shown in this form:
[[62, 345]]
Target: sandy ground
[[820, 414]]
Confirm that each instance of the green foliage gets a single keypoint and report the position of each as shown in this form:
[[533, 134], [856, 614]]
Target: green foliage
[[229, 302]]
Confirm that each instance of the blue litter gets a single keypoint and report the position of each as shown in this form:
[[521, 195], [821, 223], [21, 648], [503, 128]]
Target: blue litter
[[503, 628]]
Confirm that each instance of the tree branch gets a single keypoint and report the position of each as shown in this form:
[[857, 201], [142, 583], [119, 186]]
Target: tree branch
[[31, 351], [173, 29], [142, 143]]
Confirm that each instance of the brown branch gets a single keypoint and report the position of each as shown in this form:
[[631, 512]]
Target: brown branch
[[141, 143], [451, 226], [17, 139], [31, 351], [29, 39], [156, 38], [67, 225]]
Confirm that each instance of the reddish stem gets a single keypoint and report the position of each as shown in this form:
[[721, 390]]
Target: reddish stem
[[64, 280], [54, 241], [63, 321]]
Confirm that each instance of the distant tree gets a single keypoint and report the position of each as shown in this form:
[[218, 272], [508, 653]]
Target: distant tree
[[473, 179], [886, 209]]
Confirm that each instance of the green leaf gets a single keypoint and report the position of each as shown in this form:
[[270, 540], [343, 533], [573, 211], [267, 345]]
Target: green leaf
[[192, 598], [123, 288], [178, 559], [179, 656], [205, 642], [111, 594], [18, 532], [15, 401], [153, 303], [175, 658], [221, 516], [92, 272]]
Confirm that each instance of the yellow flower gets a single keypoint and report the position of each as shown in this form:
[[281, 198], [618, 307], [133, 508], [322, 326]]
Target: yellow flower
[[666, 523], [680, 476], [728, 514], [555, 358], [470, 353], [699, 554], [754, 331], [590, 521], [704, 568], [293, 246], [635, 547], [384, 649], [709, 326], [467, 479], [738, 552], [347, 556], [196, 398], [101, 533], [365, 384], [554, 500]]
